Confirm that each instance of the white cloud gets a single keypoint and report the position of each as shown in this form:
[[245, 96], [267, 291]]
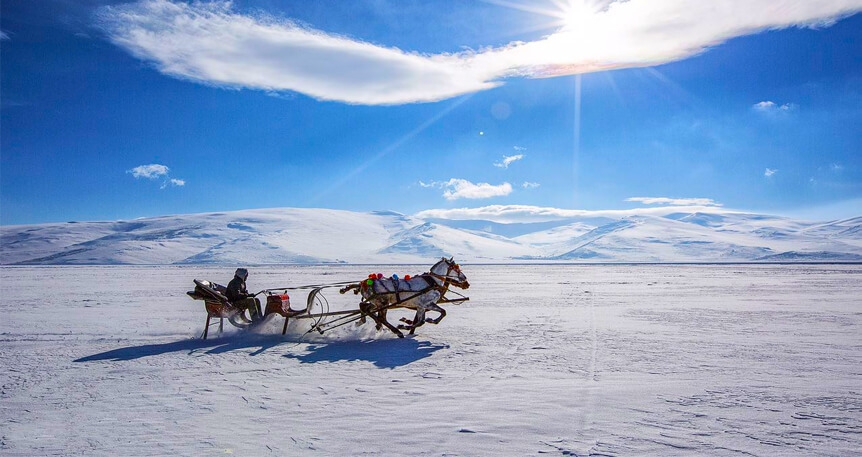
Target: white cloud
[[530, 185], [836, 167], [455, 189], [769, 172], [519, 148], [507, 160], [674, 201], [173, 183], [151, 171], [508, 214], [4, 36], [156, 171], [772, 107], [212, 44]]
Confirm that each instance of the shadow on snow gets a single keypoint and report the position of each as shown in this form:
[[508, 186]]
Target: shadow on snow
[[383, 353]]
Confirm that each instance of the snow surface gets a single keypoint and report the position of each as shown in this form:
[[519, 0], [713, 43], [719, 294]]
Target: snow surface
[[313, 236], [710, 360]]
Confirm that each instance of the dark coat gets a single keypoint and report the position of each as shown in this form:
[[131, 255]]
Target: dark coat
[[236, 290]]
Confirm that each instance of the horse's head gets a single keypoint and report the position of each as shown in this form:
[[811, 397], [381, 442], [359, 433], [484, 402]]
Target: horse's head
[[450, 271]]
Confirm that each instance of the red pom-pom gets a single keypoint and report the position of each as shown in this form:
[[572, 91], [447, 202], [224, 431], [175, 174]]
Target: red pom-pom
[[379, 275], [406, 277]]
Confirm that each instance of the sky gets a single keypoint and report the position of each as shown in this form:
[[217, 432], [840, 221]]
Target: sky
[[502, 109]]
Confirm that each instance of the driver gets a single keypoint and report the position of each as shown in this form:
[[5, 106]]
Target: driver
[[239, 296]]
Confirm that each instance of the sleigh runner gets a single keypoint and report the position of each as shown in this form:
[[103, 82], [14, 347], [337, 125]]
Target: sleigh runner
[[378, 294]]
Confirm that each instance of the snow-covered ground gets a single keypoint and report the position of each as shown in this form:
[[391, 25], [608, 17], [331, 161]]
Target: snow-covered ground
[[552, 360]]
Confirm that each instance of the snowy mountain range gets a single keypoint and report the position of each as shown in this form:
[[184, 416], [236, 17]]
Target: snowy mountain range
[[294, 235]]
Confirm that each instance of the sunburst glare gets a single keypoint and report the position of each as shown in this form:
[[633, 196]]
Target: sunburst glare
[[577, 14]]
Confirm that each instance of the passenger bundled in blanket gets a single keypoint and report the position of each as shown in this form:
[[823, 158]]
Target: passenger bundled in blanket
[[239, 296]]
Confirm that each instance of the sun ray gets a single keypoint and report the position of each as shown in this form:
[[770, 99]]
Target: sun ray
[[528, 8], [576, 150], [560, 14], [389, 149], [674, 91], [609, 76]]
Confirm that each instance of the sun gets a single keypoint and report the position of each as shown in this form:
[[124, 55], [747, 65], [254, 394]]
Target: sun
[[560, 15], [576, 14]]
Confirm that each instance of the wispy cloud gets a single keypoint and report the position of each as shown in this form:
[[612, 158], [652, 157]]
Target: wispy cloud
[[507, 214], [530, 185], [772, 107], [155, 171], [4, 36], [455, 189], [213, 44], [769, 172], [674, 201], [151, 171], [507, 160]]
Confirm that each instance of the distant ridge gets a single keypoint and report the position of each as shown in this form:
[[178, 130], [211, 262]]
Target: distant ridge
[[306, 236]]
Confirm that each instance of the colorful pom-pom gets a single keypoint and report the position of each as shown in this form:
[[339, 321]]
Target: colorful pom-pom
[[369, 281], [406, 277], [395, 277], [379, 275]]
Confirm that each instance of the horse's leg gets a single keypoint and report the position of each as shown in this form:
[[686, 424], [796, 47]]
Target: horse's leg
[[433, 307], [365, 307], [385, 323], [354, 287], [408, 321], [417, 321], [381, 317], [381, 322]]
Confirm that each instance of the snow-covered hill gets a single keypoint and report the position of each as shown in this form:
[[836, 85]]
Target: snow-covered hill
[[294, 235]]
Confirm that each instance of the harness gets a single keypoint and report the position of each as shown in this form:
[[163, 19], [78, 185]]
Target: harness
[[446, 279]]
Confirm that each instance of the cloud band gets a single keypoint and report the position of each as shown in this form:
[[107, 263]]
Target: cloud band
[[211, 43]]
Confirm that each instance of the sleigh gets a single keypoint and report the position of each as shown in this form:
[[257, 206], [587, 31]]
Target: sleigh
[[218, 306]]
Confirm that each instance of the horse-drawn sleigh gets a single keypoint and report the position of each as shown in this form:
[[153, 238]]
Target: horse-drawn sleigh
[[421, 293]]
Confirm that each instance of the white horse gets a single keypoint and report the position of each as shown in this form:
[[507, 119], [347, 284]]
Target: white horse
[[420, 293]]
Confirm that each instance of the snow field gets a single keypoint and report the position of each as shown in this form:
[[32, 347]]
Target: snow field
[[544, 359]]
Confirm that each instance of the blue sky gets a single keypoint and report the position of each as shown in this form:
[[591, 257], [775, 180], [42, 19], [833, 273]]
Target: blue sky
[[117, 110]]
